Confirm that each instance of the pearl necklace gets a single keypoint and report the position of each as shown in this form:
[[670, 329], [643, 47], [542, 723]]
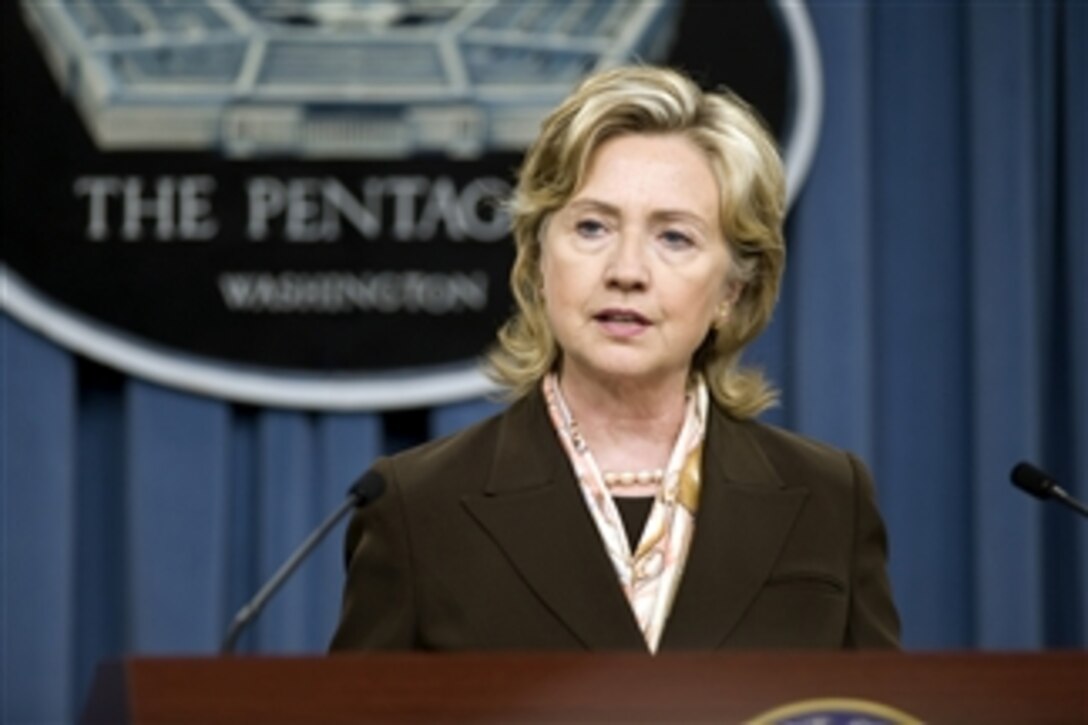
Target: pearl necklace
[[633, 478], [616, 479], [611, 479]]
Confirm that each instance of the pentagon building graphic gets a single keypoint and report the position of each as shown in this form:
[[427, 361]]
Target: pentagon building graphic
[[344, 78]]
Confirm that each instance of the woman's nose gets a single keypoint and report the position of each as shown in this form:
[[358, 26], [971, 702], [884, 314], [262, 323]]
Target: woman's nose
[[627, 268]]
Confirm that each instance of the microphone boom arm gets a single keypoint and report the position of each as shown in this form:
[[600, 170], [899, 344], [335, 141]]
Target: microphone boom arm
[[365, 490]]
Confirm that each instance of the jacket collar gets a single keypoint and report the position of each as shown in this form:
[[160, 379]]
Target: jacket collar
[[745, 515], [533, 508]]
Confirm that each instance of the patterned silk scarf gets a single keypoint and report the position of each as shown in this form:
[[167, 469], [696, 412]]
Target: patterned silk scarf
[[649, 576]]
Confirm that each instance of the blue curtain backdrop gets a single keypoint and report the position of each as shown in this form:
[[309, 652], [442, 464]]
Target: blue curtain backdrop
[[935, 320]]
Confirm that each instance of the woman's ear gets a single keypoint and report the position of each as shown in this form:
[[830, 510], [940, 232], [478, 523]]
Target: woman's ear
[[733, 291], [721, 315], [539, 281], [724, 309]]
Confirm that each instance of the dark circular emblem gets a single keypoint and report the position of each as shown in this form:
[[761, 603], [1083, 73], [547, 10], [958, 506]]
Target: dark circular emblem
[[299, 203]]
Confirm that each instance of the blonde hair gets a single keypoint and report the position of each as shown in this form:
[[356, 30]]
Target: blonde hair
[[746, 164]]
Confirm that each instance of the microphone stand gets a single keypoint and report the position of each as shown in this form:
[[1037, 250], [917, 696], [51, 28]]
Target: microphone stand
[[363, 492]]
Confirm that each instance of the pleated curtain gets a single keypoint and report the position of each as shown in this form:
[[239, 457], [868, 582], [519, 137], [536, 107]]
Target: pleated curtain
[[934, 320]]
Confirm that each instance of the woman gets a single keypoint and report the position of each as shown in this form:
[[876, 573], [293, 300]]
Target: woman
[[627, 499]]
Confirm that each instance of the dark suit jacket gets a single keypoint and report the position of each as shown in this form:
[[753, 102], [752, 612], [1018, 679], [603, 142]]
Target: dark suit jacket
[[483, 541]]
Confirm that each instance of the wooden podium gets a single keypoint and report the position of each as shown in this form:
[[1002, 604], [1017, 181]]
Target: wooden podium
[[933, 688]]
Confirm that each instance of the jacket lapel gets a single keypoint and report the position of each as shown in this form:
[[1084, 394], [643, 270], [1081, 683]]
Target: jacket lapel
[[744, 517], [533, 509]]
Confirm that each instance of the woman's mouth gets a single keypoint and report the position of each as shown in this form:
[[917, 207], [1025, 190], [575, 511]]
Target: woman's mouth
[[621, 322]]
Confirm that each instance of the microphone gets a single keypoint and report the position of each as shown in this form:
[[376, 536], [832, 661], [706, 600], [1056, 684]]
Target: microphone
[[1042, 486], [362, 492]]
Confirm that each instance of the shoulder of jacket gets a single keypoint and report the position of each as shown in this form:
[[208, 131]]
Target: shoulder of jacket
[[459, 453], [793, 454], [790, 440]]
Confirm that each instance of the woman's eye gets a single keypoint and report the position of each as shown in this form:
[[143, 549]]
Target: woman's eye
[[589, 227], [676, 239]]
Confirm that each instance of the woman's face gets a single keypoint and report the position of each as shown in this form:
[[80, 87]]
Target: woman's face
[[634, 266]]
